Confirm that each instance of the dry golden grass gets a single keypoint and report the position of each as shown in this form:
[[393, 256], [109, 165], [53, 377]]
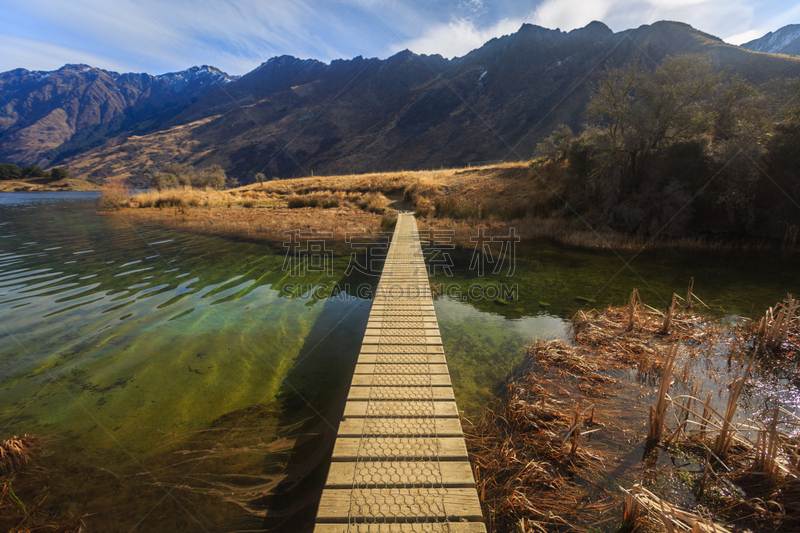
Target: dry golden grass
[[45, 184], [258, 224], [495, 197], [522, 446]]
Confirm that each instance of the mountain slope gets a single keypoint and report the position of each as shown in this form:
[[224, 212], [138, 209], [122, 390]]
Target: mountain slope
[[46, 116], [783, 41], [291, 116]]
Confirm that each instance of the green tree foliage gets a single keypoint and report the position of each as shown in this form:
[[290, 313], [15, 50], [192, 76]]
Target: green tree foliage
[[260, 177], [60, 173], [681, 149], [555, 146], [179, 175], [13, 172], [10, 172], [34, 171], [213, 176]]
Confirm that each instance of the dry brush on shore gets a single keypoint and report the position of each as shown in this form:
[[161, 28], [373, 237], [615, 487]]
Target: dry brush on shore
[[582, 420], [527, 196]]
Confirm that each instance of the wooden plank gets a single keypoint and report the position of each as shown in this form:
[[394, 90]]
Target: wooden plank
[[407, 380], [399, 449], [425, 322], [385, 474], [424, 527], [417, 358], [400, 409], [401, 339], [399, 368], [400, 393], [391, 505], [401, 348], [384, 313], [408, 330], [400, 463]]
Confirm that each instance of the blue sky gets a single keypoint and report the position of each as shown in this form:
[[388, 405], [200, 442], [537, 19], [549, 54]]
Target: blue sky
[[158, 36]]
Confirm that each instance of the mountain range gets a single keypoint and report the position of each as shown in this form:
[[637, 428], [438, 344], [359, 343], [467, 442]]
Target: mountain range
[[783, 41], [49, 116], [292, 116]]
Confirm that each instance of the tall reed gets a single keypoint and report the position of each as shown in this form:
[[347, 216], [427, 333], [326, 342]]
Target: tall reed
[[725, 437], [659, 412], [775, 324], [633, 309]]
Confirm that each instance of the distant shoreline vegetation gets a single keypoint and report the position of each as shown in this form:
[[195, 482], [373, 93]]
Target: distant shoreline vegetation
[[680, 150], [10, 171]]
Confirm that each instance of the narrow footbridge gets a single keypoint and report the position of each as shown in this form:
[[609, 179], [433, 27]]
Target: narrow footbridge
[[400, 463]]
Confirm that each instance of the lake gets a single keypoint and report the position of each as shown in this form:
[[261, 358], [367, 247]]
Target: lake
[[185, 382]]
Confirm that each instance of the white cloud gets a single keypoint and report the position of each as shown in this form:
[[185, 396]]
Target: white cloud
[[19, 52], [746, 37], [236, 35], [570, 14], [457, 38]]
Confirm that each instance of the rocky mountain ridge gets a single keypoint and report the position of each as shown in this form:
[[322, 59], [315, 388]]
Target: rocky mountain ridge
[[783, 41], [46, 116], [290, 116]]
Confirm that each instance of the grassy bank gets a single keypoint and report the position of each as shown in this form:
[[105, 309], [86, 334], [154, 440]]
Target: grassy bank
[[46, 185], [528, 196]]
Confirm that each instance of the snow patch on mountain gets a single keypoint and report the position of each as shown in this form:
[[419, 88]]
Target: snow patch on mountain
[[776, 42]]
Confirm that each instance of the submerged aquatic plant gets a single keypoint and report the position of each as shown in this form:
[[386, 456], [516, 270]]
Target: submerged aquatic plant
[[16, 452]]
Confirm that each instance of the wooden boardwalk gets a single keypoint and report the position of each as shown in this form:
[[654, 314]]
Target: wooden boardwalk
[[400, 463]]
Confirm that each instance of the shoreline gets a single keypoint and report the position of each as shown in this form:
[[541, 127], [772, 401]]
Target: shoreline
[[492, 199], [45, 185], [269, 224]]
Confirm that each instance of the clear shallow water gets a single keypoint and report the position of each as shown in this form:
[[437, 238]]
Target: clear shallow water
[[151, 359], [483, 337]]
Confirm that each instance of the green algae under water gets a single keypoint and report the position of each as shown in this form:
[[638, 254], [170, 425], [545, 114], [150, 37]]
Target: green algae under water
[[484, 335], [187, 383], [152, 359]]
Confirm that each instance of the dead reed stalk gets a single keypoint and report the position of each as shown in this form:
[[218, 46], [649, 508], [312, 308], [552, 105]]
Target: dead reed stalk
[[673, 518], [659, 412], [776, 322], [633, 309], [706, 413], [767, 444], [725, 437], [668, 316], [114, 194]]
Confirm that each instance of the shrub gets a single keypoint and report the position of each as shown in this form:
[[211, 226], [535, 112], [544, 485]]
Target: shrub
[[388, 223], [213, 176], [60, 173], [10, 172], [373, 202], [456, 208], [114, 194], [296, 202]]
